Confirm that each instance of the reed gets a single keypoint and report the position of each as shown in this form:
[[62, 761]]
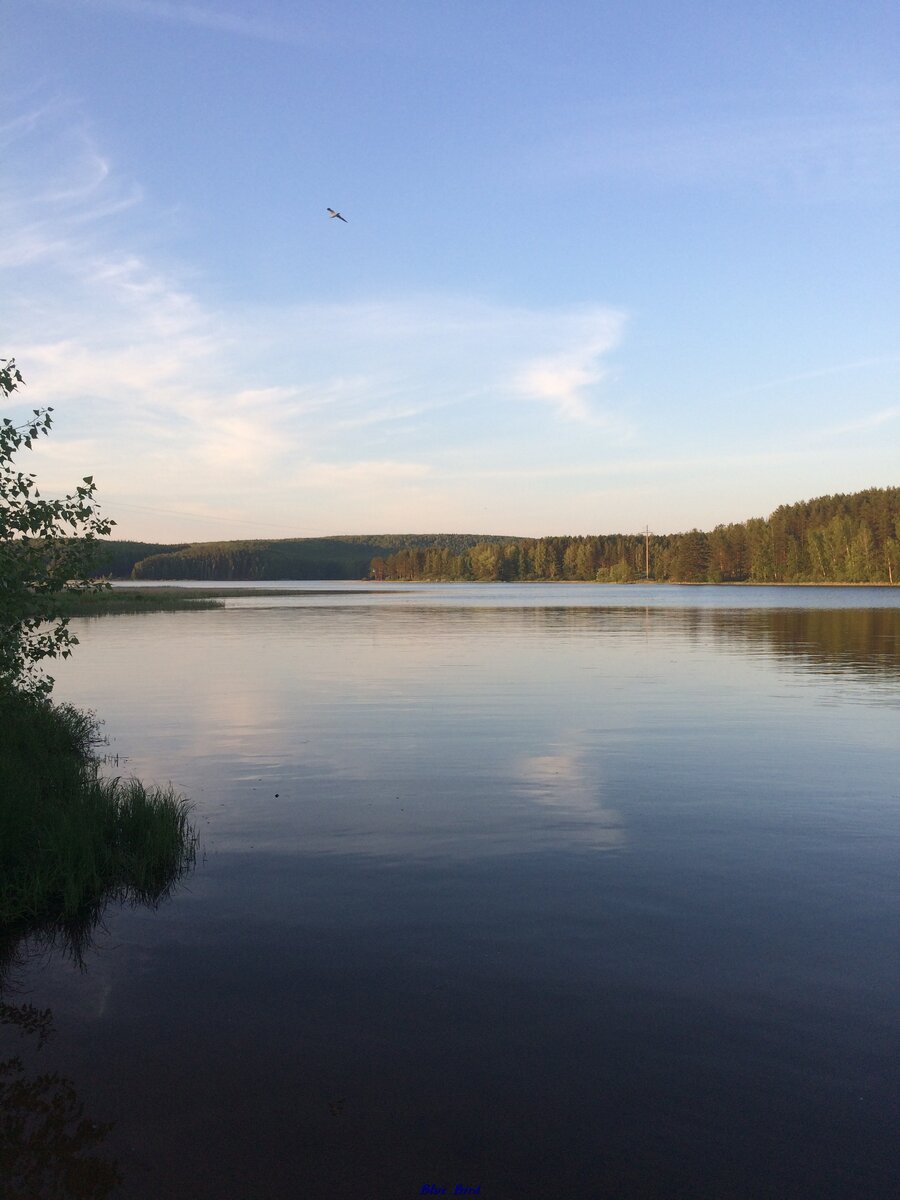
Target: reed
[[70, 840], [110, 601]]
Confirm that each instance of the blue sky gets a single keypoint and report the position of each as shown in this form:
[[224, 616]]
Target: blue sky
[[605, 265]]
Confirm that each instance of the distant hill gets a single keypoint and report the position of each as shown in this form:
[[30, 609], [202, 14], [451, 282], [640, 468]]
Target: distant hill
[[340, 557]]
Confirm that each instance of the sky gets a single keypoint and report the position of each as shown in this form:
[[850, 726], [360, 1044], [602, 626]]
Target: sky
[[605, 266]]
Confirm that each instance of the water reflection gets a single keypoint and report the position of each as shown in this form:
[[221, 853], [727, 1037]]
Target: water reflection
[[862, 640], [553, 900], [423, 732], [48, 1147], [568, 784], [545, 595], [861, 643]]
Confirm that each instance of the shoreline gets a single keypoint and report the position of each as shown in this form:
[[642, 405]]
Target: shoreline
[[274, 587]]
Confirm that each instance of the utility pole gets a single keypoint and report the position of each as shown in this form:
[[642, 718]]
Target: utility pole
[[647, 552]]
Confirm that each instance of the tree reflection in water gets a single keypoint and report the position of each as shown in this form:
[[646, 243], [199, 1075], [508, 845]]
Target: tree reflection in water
[[47, 1144], [49, 1149]]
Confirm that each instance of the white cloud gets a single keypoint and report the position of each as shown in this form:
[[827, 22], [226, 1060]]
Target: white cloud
[[173, 402], [567, 379], [61, 190]]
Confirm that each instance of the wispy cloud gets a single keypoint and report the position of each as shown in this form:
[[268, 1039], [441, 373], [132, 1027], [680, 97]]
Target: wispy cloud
[[861, 364], [202, 16], [642, 464], [568, 379], [862, 424], [840, 147], [61, 190], [335, 413]]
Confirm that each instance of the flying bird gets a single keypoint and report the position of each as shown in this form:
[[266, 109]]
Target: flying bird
[[332, 213]]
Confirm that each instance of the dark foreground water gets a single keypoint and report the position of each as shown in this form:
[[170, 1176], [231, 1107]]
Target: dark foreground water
[[547, 892]]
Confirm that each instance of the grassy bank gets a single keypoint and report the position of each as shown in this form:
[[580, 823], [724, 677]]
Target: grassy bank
[[130, 600], [71, 841]]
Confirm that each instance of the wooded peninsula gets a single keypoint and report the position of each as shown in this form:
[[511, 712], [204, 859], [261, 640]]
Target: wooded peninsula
[[832, 539]]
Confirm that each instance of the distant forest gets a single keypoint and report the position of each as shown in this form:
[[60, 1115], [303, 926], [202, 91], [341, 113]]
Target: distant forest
[[832, 539], [347, 557]]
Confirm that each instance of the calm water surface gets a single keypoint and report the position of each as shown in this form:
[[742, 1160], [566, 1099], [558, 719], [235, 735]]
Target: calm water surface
[[547, 891]]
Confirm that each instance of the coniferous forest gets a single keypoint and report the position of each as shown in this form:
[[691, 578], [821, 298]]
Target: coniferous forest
[[832, 539]]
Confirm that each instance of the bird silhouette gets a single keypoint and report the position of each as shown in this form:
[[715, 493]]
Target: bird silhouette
[[332, 213]]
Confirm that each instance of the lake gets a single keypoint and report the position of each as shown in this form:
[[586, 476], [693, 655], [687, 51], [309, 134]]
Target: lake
[[538, 890]]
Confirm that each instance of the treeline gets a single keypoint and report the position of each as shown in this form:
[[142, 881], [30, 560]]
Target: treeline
[[343, 557], [118, 558], [832, 539]]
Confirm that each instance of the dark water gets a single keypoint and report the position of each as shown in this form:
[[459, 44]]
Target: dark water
[[518, 889]]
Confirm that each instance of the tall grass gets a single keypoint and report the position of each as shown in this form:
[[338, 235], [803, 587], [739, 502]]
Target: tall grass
[[110, 601], [70, 840]]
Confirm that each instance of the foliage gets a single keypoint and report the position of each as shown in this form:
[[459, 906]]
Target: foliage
[[342, 557], [116, 558], [832, 539], [46, 547], [71, 841], [48, 1147]]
